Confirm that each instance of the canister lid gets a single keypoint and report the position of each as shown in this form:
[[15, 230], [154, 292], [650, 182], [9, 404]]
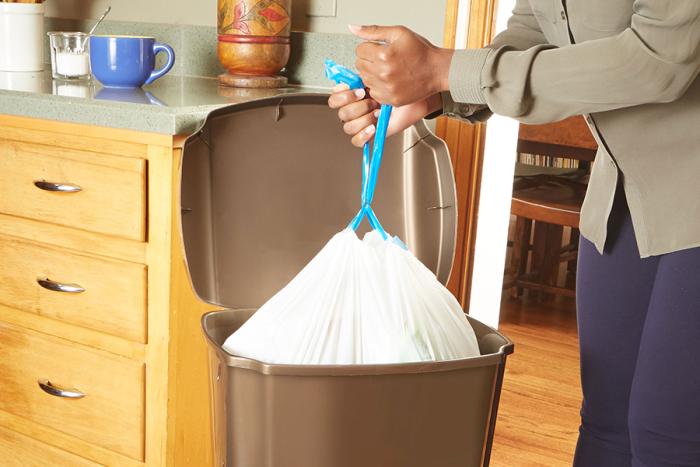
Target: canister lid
[[266, 184]]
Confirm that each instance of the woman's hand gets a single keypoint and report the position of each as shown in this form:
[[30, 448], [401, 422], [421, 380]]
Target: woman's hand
[[359, 113], [398, 66]]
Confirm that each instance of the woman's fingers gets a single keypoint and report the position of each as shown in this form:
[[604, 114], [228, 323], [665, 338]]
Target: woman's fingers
[[369, 51], [357, 109], [356, 126], [340, 87], [343, 98], [403, 69], [365, 135]]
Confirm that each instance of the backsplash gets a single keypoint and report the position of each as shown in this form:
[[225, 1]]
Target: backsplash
[[195, 47]]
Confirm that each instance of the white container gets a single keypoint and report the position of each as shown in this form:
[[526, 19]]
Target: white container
[[25, 81], [21, 36]]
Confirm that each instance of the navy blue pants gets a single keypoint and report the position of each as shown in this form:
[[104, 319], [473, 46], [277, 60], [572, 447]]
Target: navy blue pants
[[639, 327]]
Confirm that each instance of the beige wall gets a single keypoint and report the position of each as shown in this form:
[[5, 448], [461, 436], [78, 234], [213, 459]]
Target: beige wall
[[425, 16]]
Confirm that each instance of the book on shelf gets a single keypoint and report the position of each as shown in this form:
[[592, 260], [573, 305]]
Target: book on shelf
[[548, 161]]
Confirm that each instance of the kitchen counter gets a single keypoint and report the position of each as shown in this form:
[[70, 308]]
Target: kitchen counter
[[173, 105]]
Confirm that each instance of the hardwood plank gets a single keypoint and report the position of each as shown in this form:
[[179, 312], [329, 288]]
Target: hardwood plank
[[539, 412]]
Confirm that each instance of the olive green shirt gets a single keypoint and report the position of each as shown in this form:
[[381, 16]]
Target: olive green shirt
[[629, 66]]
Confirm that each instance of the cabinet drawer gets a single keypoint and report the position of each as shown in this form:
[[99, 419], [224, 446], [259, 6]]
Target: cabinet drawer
[[113, 299], [21, 451], [111, 413], [101, 193]]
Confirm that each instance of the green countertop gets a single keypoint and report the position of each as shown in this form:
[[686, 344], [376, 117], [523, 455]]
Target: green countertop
[[172, 105]]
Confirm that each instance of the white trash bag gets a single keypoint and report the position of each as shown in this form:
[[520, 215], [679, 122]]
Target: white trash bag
[[358, 302], [367, 301]]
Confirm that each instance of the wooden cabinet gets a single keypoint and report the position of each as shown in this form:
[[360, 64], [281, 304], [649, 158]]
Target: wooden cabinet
[[102, 360]]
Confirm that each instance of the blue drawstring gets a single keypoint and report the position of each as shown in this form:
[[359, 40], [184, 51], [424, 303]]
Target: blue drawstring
[[370, 165]]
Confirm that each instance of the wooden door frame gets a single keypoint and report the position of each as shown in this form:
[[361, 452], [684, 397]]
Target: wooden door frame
[[466, 145]]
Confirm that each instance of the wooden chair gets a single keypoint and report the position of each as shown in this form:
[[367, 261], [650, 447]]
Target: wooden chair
[[551, 202]]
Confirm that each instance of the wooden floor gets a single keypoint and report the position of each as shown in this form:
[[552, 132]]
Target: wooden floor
[[539, 413]]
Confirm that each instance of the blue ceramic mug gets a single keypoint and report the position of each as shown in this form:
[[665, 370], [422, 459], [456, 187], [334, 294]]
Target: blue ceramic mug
[[127, 61]]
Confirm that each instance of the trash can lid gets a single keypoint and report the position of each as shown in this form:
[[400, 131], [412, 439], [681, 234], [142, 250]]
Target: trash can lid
[[265, 184]]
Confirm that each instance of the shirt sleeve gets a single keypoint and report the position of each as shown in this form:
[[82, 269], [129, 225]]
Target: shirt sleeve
[[523, 32], [470, 113], [655, 60]]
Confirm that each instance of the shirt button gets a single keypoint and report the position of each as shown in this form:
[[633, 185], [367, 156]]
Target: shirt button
[[563, 15]]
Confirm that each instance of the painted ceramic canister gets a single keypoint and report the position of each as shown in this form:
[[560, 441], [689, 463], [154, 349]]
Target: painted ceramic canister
[[254, 36]]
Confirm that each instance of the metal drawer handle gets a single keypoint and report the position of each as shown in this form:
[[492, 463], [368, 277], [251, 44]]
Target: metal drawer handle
[[58, 187], [49, 388], [48, 284]]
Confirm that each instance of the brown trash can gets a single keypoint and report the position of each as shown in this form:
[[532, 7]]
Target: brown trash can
[[264, 185], [409, 415]]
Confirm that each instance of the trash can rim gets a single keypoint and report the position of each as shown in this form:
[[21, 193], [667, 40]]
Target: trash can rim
[[491, 359]]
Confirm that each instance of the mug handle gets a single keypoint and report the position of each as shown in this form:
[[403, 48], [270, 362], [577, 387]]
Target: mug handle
[[157, 48]]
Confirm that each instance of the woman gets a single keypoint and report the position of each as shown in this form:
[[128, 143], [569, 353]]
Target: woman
[[630, 66]]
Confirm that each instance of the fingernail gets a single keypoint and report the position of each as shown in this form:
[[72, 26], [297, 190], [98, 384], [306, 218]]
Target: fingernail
[[370, 130], [360, 93], [340, 87], [376, 113], [354, 28]]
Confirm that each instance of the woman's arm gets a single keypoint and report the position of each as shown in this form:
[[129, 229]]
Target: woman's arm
[[653, 61], [522, 33], [358, 112]]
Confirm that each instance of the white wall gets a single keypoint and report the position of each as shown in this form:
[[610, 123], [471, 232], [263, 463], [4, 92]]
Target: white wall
[[425, 16], [199, 12], [494, 207]]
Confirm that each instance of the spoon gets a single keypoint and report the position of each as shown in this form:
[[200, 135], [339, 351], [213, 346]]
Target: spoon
[[104, 15]]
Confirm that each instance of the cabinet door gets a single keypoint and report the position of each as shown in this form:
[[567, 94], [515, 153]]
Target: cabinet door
[[85, 393]]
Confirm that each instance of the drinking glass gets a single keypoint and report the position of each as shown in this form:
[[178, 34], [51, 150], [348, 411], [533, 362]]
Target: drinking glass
[[70, 55]]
